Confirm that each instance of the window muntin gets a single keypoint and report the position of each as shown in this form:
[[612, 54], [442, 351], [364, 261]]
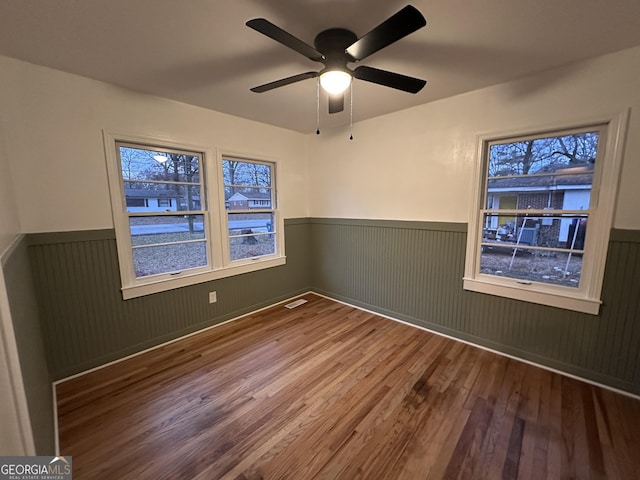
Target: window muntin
[[168, 181], [250, 208]]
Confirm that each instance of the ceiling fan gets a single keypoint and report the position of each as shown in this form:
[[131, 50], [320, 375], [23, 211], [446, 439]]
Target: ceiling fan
[[336, 47]]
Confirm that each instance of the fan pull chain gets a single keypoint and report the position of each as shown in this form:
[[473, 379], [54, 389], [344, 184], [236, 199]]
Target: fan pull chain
[[351, 112], [318, 106]]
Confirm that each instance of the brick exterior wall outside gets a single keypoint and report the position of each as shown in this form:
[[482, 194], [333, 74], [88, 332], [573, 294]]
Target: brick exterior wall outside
[[548, 235]]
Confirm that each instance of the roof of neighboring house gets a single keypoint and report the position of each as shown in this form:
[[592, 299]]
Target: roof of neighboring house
[[250, 196], [561, 177]]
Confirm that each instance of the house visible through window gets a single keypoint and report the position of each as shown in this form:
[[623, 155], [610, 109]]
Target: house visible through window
[[541, 227]]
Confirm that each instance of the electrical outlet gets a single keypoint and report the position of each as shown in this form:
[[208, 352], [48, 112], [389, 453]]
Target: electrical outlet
[[213, 297]]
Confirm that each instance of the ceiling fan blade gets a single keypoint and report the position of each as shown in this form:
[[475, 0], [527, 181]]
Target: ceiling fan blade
[[389, 79], [406, 21], [284, 81], [336, 103], [276, 33]]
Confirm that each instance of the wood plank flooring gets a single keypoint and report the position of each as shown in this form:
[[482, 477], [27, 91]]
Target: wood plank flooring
[[326, 391]]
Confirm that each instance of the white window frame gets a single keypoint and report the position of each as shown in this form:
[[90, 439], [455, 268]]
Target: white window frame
[[587, 297], [278, 222], [215, 220]]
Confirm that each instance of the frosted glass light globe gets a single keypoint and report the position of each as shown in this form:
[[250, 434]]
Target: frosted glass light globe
[[335, 81]]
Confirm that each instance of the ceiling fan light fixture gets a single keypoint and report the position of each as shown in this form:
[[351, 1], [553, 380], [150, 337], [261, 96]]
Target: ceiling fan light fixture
[[337, 47], [335, 81]]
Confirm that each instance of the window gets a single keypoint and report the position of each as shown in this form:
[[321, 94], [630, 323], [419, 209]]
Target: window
[[133, 202], [248, 190], [174, 226], [544, 209], [163, 242]]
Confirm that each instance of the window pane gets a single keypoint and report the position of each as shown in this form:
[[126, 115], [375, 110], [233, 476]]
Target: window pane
[[169, 258], [244, 223], [553, 173], [146, 164], [250, 174], [252, 245], [161, 197], [552, 231], [544, 155], [166, 229], [506, 249], [250, 235], [551, 267]]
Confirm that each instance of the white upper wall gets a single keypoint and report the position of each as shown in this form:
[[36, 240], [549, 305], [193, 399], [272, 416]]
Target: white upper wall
[[411, 165], [418, 164], [53, 124]]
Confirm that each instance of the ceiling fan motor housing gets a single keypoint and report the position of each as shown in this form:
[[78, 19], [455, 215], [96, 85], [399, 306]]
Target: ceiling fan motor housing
[[332, 43]]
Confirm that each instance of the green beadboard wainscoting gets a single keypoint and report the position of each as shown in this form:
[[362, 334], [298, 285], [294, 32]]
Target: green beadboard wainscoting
[[407, 270], [30, 346], [413, 271], [86, 323]]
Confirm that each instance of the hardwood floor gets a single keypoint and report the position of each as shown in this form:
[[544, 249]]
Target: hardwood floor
[[327, 391]]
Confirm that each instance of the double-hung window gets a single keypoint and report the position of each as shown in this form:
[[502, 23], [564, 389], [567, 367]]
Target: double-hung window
[[542, 214], [250, 206], [164, 241], [184, 215]]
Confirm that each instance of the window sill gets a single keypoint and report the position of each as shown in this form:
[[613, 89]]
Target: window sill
[[533, 294], [148, 288]]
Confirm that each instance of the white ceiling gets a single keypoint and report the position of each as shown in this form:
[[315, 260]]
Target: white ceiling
[[200, 52]]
